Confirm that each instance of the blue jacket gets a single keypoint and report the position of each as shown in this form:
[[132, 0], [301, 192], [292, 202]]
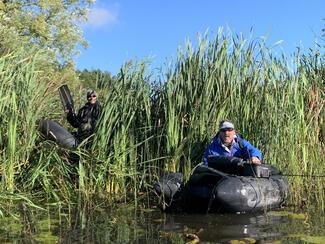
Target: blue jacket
[[240, 148]]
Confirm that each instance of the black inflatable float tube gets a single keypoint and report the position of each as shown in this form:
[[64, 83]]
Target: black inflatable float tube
[[53, 131]]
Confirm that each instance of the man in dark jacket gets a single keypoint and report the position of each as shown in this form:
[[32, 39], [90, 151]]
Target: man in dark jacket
[[86, 118]]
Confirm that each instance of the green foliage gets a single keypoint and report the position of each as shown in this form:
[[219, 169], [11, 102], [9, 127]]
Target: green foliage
[[27, 96], [52, 25], [19, 92], [149, 126], [152, 126], [95, 79]]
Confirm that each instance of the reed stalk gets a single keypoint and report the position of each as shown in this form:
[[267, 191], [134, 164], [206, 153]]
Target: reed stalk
[[151, 125]]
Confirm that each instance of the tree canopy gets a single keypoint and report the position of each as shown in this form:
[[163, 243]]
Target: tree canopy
[[51, 25], [96, 78]]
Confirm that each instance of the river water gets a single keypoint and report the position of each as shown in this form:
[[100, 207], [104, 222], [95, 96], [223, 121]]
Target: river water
[[128, 225]]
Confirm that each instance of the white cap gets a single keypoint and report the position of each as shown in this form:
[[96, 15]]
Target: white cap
[[226, 125]]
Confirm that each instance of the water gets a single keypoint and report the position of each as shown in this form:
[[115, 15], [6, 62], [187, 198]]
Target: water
[[127, 225]]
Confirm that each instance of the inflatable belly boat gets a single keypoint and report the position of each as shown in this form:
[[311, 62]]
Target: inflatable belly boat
[[52, 130], [226, 185]]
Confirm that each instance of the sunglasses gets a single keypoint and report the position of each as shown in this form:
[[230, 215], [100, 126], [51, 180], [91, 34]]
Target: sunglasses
[[227, 129], [92, 96]]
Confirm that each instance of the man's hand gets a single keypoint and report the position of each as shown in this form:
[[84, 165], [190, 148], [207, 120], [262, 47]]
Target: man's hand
[[255, 160]]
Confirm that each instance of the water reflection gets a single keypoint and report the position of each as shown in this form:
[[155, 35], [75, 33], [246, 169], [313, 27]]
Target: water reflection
[[93, 224], [218, 227]]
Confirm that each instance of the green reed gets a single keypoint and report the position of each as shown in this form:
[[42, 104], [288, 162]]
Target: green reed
[[28, 166], [275, 106], [18, 90], [149, 126], [156, 123], [124, 129]]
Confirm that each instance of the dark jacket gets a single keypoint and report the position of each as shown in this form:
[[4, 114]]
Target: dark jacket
[[240, 149], [86, 119]]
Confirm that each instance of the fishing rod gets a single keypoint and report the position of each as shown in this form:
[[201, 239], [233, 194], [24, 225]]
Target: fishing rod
[[316, 176]]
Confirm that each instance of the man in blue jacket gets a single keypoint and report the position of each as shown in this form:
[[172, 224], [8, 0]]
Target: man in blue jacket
[[228, 143]]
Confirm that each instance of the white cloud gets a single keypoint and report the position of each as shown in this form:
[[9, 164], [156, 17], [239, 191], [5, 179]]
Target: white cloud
[[101, 16]]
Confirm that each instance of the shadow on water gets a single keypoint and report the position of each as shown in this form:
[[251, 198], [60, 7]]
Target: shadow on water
[[93, 224]]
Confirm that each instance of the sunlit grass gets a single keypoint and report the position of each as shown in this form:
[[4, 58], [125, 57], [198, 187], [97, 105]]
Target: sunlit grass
[[151, 125]]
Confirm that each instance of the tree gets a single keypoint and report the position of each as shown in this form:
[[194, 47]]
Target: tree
[[96, 79], [52, 25]]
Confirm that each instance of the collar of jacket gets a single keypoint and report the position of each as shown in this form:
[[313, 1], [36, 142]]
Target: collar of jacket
[[224, 146], [90, 104]]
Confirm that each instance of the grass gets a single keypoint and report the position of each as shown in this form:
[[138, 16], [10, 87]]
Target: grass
[[150, 125]]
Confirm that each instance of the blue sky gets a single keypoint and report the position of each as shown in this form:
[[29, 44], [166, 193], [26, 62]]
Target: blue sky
[[118, 31]]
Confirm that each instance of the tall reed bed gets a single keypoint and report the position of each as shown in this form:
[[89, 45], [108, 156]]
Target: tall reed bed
[[19, 94], [28, 166], [125, 135], [279, 107], [151, 125]]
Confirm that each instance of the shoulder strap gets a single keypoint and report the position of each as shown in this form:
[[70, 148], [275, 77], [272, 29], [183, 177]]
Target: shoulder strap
[[240, 142]]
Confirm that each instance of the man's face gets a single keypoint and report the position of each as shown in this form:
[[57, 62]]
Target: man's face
[[92, 99], [227, 136]]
